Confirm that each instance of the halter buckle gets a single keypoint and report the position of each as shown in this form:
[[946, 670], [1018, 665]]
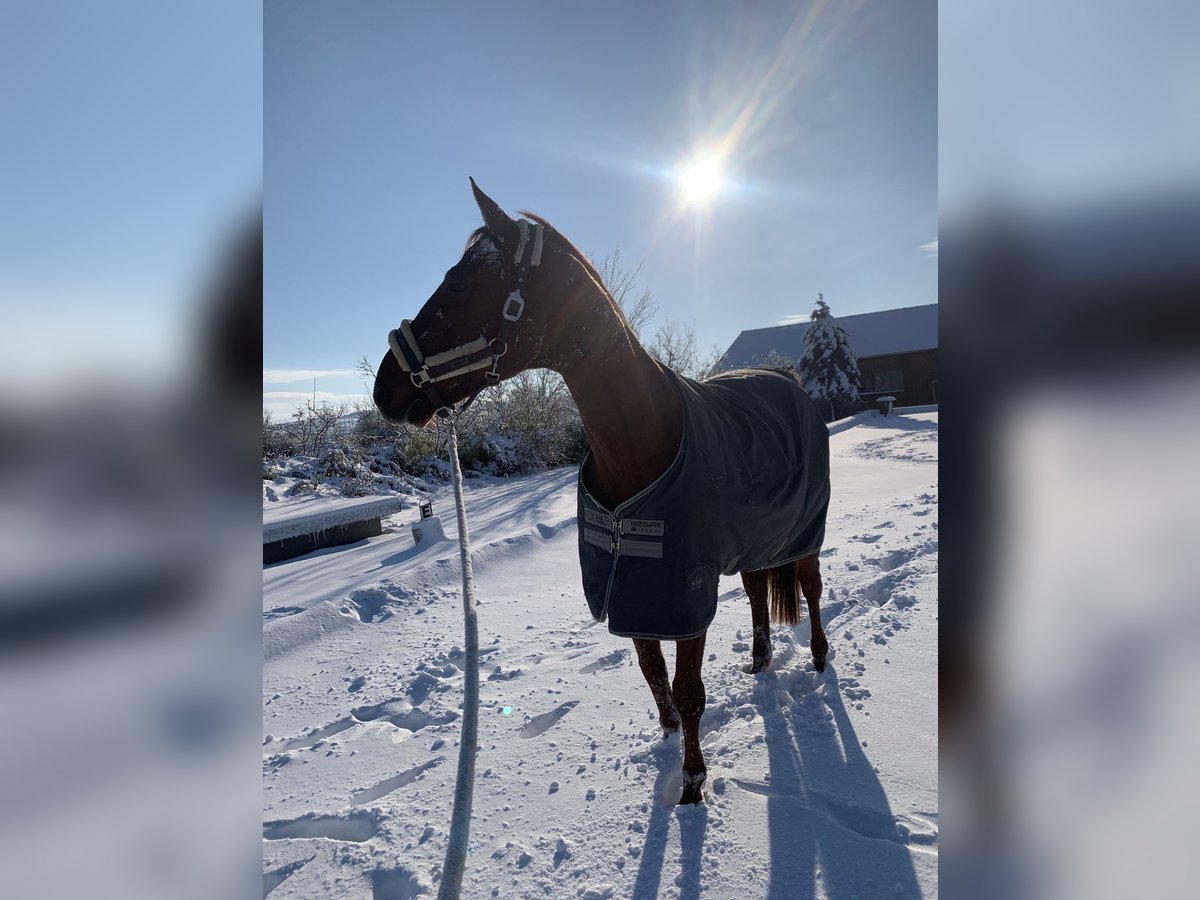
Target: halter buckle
[[421, 377], [513, 298]]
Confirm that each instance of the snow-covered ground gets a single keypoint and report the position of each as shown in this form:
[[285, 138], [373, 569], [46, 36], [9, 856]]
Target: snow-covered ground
[[819, 785]]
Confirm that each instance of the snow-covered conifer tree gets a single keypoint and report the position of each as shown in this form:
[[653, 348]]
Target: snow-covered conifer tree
[[829, 367]]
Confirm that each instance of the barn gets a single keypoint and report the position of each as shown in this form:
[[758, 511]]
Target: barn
[[897, 351]]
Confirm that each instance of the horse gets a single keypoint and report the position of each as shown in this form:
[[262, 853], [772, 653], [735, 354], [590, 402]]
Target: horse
[[523, 297]]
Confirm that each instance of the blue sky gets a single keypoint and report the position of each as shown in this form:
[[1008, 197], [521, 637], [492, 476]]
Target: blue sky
[[1049, 105], [133, 149], [375, 113]]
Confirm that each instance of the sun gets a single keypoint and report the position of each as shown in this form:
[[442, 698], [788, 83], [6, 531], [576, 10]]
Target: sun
[[701, 180]]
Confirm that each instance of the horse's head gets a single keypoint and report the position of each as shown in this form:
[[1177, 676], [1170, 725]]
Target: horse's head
[[473, 331]]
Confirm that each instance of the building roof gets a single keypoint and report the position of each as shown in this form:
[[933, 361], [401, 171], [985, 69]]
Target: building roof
[[871, 334]]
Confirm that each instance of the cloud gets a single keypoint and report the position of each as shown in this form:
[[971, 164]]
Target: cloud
[[291, 376], [800, 319], [930, 249]]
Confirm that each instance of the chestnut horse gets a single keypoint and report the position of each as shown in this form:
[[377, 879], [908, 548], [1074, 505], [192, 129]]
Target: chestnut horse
[[522, 297]]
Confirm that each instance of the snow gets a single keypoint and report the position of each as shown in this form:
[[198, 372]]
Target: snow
[[288, 519], [485, 251], [820, 785]]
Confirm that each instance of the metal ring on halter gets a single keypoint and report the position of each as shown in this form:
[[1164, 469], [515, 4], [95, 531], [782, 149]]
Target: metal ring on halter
[[492, 375]]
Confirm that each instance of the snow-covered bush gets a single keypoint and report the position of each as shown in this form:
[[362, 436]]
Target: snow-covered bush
[[525, 425], [533, 425], [336, 463]]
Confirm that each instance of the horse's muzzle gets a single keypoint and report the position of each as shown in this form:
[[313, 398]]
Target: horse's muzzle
[[396, 398], [419, 412], [412, 410]]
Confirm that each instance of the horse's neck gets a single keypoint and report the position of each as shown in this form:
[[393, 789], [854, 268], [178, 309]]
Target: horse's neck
[[629, 406]]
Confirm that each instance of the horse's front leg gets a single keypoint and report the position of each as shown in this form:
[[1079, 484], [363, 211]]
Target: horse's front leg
[[654, 669], [688, 690]]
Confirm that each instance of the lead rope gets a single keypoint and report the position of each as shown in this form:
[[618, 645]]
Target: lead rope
[[460, 819]]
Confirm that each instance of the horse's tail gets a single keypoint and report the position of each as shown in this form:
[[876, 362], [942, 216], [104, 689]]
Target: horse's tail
[[783, 589]]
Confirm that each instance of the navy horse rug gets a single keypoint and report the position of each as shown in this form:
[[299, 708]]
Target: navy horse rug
[[747, 490]]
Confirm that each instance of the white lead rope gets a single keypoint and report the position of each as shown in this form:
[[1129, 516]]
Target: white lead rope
[[460, 819]]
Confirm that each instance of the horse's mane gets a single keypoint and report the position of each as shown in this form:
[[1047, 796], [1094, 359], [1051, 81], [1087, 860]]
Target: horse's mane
[[582, 258]]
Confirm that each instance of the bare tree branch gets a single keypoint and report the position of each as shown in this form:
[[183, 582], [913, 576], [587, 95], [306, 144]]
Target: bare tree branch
[[621, 281]]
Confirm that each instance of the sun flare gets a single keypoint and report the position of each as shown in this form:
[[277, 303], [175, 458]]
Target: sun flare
[[700, 180]]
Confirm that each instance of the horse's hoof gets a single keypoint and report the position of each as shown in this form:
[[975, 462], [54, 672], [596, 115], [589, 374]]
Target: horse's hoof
[[820, 652], [669, 730], [758, 665], [691, 797], [693, 793]]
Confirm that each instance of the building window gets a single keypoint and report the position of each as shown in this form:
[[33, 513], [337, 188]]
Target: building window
[[890, 380]]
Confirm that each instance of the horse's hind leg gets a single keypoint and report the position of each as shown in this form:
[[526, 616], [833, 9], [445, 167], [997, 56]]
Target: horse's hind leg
[[755, 584], [808, 571], [688, 690], [654, 669]]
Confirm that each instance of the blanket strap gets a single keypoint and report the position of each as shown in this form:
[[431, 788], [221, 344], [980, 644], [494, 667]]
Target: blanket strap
[[613, 541]]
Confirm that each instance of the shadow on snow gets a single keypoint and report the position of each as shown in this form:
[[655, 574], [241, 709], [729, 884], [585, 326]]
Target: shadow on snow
[[828, 816]]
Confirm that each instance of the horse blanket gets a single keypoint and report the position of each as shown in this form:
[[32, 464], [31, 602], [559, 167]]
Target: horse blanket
[[747, 490]]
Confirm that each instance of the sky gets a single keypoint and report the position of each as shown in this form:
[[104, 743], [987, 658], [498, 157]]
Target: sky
[[1048, 105], [132, 154], [375, 113]]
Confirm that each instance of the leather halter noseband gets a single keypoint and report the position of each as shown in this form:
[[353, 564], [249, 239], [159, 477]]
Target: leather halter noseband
[[426, 370]]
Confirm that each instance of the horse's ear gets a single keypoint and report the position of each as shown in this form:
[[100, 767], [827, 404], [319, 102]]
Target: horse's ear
[[493, 216]]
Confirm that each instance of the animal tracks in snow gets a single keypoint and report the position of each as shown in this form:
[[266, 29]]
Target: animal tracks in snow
[[852, 689], [893, 560], [547, 532], [422, 686], [403, 714], [542, 723], [918, 447], [276, 877], [571, 650], [898, 567], [396, 884], [610, 661], [355, 827], [865, 538], [385, 787], [879, 591], [499, 674], [305, 741]]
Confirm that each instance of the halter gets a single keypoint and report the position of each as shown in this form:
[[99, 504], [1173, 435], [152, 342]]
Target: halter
[[481, 353]]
